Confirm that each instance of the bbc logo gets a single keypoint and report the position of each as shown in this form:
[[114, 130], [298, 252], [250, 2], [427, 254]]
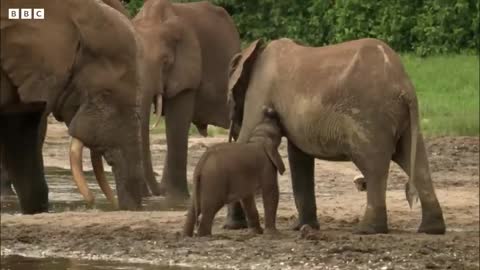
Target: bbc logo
[[26, 13]]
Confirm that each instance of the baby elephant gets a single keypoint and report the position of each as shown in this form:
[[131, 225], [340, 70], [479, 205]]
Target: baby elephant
[[230, 172]]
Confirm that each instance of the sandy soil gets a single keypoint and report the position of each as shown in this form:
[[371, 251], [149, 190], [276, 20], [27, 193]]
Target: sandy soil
[[153, 236]]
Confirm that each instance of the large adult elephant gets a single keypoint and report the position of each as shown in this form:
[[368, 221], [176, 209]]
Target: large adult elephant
[[350, 101], [187, 49], [83, 50]]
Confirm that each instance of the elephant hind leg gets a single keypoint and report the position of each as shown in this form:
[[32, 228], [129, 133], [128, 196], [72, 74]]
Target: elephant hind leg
[[208, 211], [432, 216], [374, 166]]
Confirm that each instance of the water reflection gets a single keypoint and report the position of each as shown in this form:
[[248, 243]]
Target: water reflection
[[64, 195], [15, 262]]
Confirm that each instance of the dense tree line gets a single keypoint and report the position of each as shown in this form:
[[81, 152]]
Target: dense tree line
[[420, 26]]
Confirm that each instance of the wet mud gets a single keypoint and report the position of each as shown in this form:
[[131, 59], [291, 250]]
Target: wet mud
[[152, 237]]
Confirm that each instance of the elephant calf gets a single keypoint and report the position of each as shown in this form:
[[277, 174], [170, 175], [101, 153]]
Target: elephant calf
[[230, 172]]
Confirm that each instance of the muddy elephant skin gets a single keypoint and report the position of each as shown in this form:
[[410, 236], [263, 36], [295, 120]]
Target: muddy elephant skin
[[231, 172], [83, 49], [187, 49], [351, 101]]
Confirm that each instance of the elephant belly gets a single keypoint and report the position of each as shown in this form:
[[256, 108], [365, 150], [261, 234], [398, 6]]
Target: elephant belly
[[326, 135]]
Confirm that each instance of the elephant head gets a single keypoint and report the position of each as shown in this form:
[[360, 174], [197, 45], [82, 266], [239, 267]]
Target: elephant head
[[87, 74], [241, 67], [171, 61], [107, 76], [269, 133]]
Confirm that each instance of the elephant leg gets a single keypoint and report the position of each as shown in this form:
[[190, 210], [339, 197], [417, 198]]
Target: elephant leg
[[150, 183], [251, 212], [235, 217], [374, 167], [432, 216], [178, 116], [302, 170], [270, 196], [144, 189], [5, 184], [21, 144], [209, 209]]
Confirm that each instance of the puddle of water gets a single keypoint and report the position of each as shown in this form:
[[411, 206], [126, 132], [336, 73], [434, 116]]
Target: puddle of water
[[16, 262], [64, 196]]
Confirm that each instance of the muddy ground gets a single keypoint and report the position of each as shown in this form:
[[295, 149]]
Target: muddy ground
[[153, 236]]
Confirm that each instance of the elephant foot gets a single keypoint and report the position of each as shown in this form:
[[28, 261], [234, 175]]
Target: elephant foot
[[433, 225], [235, 224], [256, 230], [161, 190], [145, 192], [201, 233], [312, 224], [177, 199], [38, 209], [6, 192], [374, 221], [271, 232], [363, 228]]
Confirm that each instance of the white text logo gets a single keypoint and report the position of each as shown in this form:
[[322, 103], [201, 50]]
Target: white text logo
[[26, 13]]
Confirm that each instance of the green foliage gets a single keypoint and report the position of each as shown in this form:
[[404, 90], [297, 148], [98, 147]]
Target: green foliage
[[447, 87], [421, 26]]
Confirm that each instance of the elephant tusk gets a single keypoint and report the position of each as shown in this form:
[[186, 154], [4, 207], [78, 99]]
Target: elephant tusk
[[158, 109], [76, 148], [97, 165]]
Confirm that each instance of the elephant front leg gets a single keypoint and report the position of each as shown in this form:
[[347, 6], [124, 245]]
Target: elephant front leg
[[270, 196], [178, 116], [20, 143], [302, 169]]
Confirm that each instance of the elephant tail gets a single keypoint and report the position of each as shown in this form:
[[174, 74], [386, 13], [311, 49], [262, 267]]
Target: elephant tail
[[410, 189]]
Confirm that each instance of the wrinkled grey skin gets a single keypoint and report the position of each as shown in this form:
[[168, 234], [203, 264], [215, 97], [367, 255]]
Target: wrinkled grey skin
[[187, 50], [83, 51], [351, 101], [229, 172]]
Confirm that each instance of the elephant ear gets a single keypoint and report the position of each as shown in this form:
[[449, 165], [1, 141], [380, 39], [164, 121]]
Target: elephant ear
[[274, 157], [186, 69], [241, 67]]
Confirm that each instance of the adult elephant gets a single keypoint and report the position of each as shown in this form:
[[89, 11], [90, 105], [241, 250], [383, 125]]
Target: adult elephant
[[350, 101], [83, 50], [187, 50]]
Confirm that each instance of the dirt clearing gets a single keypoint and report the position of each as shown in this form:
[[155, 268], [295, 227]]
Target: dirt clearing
[[153, 236]]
